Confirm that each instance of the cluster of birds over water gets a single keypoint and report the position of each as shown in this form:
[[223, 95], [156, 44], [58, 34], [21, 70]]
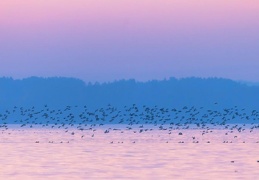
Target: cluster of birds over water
[[138, 119]]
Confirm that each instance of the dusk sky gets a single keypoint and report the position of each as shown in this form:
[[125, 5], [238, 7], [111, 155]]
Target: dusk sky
[[105, 40]]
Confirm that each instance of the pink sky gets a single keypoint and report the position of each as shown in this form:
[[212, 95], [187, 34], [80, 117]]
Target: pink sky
[[143, 39]]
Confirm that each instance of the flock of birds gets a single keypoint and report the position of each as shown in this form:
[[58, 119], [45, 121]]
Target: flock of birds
[[135, 119]]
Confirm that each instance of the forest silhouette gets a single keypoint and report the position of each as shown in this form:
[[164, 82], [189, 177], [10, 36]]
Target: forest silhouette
[[58, 91]]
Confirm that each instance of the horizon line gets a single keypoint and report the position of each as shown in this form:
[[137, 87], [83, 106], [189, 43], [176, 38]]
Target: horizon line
[[249, 83]]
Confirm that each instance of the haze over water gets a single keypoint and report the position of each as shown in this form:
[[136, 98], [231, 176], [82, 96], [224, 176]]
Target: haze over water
[[142, 128]]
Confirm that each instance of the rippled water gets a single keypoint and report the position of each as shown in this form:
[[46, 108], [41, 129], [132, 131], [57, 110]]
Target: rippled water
[[128, 155]]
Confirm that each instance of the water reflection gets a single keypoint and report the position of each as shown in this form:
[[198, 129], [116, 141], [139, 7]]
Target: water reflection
[[149, 155]]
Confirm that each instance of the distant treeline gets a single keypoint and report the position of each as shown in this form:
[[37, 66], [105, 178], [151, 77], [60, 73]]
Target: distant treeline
[[173, 92]]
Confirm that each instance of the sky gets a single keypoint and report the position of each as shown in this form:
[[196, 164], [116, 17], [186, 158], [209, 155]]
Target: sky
[[101, 40]]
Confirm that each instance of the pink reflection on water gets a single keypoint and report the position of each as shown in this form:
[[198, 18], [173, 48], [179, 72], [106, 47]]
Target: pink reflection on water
[[150, 157]]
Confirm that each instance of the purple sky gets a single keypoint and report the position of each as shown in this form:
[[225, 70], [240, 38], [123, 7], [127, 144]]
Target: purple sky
[[99, 40]]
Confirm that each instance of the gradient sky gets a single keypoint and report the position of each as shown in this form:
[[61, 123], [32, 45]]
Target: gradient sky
[[104, 40]]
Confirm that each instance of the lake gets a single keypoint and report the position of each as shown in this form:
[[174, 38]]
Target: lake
[[122, 153]]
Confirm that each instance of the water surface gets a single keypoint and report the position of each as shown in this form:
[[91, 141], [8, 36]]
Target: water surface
[[120, 154]]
